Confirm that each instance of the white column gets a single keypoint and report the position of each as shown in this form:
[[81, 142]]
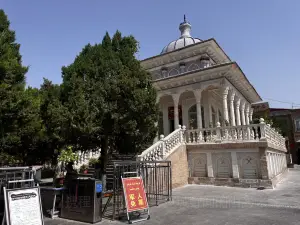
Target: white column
[[251, 114], [225, 108], [198, 94], [210, 170], [156, 123], [185, 115], [176, 116], [243, 112], [237, 112], [165, 119], [247, 110], [235, 165], [232, 116], [210, 113], [217, 116]]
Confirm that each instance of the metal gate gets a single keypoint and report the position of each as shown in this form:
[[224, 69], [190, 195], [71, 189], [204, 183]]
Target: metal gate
[[157, 179]]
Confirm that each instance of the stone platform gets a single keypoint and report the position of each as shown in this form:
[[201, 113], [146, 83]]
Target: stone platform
[[212, 205]]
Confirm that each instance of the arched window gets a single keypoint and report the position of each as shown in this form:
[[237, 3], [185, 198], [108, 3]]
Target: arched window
[[193, 117]]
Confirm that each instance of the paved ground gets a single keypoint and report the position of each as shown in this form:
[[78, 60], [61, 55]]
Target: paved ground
[[209, 205]]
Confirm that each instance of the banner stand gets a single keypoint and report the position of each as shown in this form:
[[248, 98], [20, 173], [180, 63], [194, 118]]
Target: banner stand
[[135, 196]]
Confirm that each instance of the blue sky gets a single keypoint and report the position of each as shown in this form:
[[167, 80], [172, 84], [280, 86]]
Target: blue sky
[[263, 37]]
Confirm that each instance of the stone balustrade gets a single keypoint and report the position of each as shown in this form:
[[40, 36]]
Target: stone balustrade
[[164, 146], [84, 157], [242, 133]]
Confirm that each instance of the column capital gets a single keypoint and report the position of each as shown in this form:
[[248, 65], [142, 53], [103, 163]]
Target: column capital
[[176, 97], [158, 96], [247, 108], [232, 95], [251, 110], [225, 90], [238, 103], [243, 104], [198, 94]]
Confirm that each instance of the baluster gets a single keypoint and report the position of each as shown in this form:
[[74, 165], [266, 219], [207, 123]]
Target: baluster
[[200, 136]]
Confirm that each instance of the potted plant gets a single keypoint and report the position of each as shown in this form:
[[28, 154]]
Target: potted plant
[[66, 155], [93, 161]]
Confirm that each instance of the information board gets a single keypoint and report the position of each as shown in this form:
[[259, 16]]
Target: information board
[[23, 206], [135, 195]]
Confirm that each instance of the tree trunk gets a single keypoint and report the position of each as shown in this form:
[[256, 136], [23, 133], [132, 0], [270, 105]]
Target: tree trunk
[[104, 154]]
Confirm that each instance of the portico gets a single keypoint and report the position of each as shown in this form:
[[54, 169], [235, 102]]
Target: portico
[[203, 105], [200, 87]]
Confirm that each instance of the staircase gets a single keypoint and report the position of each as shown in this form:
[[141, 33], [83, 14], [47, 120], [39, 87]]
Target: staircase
[[164, 147], [115, 158]]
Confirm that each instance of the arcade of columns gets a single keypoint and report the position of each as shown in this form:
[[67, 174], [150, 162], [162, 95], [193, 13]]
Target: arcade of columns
[[239, 110]]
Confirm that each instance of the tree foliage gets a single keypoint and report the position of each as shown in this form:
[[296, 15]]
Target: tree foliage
[[19, 114], [110, 97], [106, 100]]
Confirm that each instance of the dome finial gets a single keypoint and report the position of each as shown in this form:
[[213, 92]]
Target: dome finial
[[185, 28]]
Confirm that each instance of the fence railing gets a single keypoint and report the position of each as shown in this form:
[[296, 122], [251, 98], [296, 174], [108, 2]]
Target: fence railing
[[157, 178]]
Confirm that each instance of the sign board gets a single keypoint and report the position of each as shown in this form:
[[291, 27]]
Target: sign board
[[260, 107], [135, 195], [23, 206]]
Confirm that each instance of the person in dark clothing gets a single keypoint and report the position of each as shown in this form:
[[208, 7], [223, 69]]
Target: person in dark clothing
[[71, 173]]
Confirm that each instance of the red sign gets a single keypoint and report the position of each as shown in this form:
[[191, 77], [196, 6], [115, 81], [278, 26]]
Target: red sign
[[134, 194]]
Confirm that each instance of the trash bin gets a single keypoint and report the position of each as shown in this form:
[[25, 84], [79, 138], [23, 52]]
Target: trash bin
[[82, 200]]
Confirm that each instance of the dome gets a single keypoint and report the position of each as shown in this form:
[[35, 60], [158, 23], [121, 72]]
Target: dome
[[184, 40]]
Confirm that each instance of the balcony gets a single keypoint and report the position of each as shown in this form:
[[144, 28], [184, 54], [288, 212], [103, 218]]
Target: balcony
[[258, 135], [261, 132]]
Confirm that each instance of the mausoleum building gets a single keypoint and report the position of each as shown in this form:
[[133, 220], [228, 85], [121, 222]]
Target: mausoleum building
[[202, 89]]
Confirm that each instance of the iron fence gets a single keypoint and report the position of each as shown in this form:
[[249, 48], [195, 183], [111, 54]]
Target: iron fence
[[157, 178]]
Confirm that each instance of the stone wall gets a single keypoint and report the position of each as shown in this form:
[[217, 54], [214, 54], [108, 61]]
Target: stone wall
[[179, 163]]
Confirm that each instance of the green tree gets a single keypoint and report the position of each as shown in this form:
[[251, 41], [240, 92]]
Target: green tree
[[110, 98], [54, 120], [18, 115]]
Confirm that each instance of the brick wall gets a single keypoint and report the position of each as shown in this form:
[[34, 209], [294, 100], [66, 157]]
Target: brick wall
[[179, 163]]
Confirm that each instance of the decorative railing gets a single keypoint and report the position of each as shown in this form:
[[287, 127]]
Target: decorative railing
[[84, 157], [273, 137], [251, 132], [224, 134], [164, 146]]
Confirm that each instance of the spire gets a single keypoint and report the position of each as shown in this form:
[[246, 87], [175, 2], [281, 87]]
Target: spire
[[185, 28]]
